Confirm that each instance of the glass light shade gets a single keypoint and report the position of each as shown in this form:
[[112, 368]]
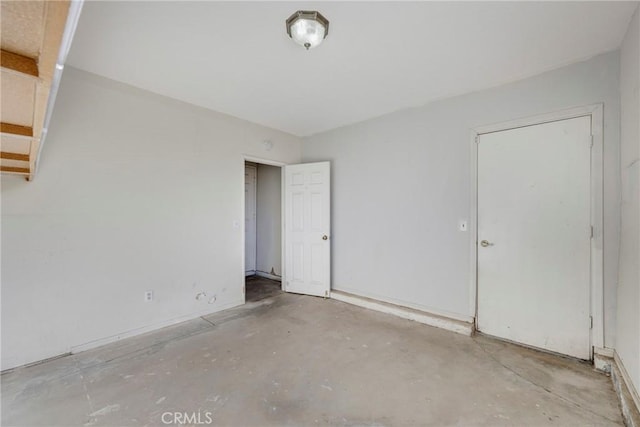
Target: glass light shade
[[307, 33], [307, 28]]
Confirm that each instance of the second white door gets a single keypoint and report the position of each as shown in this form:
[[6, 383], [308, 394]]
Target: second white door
[[534, 235], [307, 226]]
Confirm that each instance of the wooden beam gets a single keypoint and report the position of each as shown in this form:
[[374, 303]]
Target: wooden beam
[[16, 129], [14, 156], [14, 169], [19, 63]]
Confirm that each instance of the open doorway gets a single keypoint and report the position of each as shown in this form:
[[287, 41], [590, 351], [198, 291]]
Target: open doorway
[[263, 231]]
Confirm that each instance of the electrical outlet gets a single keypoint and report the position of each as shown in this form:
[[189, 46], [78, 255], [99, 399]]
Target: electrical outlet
[[148, 296]]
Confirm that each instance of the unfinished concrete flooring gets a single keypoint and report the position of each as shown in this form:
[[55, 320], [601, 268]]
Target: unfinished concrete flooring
[[298, 360], [258, 288]]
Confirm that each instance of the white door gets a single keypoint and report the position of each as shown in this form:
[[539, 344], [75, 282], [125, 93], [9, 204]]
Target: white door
[[250, 178], [307, 227], [534, 235]]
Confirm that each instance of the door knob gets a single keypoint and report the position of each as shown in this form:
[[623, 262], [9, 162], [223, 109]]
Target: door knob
[[485, 243], [325, 237]]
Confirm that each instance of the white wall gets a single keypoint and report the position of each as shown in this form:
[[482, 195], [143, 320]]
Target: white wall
[[402, 183], [269, 220], [135, 192], [628, 325]]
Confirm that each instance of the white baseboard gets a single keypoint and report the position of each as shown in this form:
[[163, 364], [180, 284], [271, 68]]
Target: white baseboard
[[249, 273], [37, 362], [608, 361], [627, 393], [268, 276], [404, 304], [602, 359], [143, 330], [454, 325]]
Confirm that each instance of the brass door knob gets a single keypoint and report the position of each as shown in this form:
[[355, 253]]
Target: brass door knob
[[485, 243], [325, 237]]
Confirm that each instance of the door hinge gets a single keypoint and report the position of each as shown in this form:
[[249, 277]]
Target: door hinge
[[477, 139], [590, 322], [592, 231], [591, 143]]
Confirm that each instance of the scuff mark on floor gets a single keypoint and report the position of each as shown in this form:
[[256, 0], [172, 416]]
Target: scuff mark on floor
[[106, 410], [101, 412]]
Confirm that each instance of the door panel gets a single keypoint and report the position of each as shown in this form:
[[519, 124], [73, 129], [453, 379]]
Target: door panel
[[250, 178], [534, 219], [307, 226]]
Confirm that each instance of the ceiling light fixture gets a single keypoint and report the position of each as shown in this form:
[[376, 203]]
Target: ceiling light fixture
[[307, 28]]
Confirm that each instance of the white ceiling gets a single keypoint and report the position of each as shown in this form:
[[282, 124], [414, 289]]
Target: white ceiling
[[379, 57]]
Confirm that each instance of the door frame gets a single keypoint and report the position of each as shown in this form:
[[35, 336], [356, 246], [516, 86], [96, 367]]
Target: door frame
[[596, 113], [248, 158]]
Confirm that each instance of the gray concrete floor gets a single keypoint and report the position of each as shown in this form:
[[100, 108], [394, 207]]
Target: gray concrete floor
[[258, 288], [296, 360]]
